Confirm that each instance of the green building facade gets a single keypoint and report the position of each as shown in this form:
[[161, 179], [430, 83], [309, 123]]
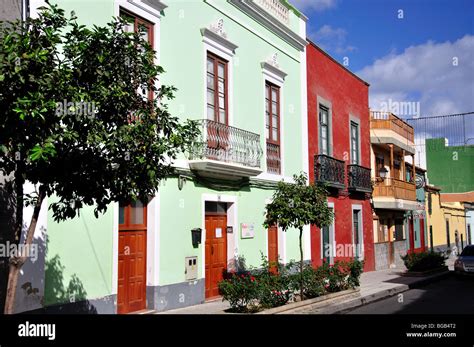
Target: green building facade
[[239, 67], [450, 168]]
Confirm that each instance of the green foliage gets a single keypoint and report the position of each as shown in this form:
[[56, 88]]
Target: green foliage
[[297, 204], [241, 290], [423, 261], [328, 278], [118, 152], [251, 290]]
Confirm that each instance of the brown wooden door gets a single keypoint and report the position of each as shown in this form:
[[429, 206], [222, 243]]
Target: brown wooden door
[[131, 295], [216, 252], [273, 247]]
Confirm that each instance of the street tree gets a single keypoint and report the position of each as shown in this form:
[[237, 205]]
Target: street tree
[[295, 205]]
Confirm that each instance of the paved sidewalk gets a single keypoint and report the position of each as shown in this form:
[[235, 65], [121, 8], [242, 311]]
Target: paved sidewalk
[[375, 285], [212, 307]]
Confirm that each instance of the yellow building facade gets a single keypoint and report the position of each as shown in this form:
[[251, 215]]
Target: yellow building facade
[[446, 222]]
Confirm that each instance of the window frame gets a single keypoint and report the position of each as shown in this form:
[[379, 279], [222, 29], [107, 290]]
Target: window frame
[[138, 20], [328, 128], [355, 159], [216, 61], [269, 138], [127, 209]]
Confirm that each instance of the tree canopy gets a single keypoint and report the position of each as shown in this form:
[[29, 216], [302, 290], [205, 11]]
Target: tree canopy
[[83, 113]]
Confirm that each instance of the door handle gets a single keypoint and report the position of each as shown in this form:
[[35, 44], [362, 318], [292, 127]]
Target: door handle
[[212, 250]]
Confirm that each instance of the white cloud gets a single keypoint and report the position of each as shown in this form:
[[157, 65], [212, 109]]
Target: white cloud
[[426, 74], [317, 5], [332, 39]]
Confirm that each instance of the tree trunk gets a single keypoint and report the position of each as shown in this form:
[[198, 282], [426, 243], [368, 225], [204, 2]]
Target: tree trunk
[[301, 265], [17, 261]]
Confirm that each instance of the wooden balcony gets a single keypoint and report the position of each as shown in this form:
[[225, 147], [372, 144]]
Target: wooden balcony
[[394, 188], [388, 121]]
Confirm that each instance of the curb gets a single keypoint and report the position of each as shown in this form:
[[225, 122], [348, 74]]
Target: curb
[[339, 307], [345, 294]]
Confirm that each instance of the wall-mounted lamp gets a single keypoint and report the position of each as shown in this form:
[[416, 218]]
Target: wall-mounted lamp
[[383, 173], [181, 182], [196, 235]]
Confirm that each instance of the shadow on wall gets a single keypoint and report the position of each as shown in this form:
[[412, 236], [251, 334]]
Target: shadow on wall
[[64, 299]]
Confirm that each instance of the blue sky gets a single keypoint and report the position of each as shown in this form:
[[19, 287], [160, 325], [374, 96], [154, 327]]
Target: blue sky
[[426, 57]]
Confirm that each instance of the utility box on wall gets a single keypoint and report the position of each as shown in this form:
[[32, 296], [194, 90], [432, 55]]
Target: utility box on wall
[[191, 268]]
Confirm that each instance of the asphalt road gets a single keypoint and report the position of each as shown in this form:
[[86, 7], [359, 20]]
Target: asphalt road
[[447, 296]]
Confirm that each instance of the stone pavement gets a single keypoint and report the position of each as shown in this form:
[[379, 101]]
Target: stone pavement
[[375, 285]]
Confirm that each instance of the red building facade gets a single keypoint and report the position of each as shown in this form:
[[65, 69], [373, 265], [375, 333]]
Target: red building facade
[[339, 158]]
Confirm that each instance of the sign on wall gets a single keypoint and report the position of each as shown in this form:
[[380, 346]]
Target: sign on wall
[[247, 231]]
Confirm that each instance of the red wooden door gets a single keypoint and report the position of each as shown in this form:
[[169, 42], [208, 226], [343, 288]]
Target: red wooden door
[[422, 234], [216, 252], [131, 295], [273, 247], [411, 226]]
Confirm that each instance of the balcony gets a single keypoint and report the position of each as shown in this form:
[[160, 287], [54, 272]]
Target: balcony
[[394, 194], [226, 151], [359, 179], [329, 171], [386, 128], [277, 9], [273, 159]]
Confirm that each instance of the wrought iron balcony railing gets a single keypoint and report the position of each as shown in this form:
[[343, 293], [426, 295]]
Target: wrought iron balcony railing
[[359, 178], [329, 170], [228, 144]]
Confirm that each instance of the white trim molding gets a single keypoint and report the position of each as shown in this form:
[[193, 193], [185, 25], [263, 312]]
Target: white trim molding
[[218, 41], [357, 207], [332, 236], [219, 45], [269, 21], [232, 220], [273, 72], [154, 7]]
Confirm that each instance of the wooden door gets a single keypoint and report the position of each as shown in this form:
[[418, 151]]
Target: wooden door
[[422, 234], [216, 252], [411, 227], [273, 247], [131, 295]]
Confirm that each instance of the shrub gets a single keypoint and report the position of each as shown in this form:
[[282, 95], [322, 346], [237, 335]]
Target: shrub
[[356, 267], [250, 290], [241, 290], [423, 261]]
